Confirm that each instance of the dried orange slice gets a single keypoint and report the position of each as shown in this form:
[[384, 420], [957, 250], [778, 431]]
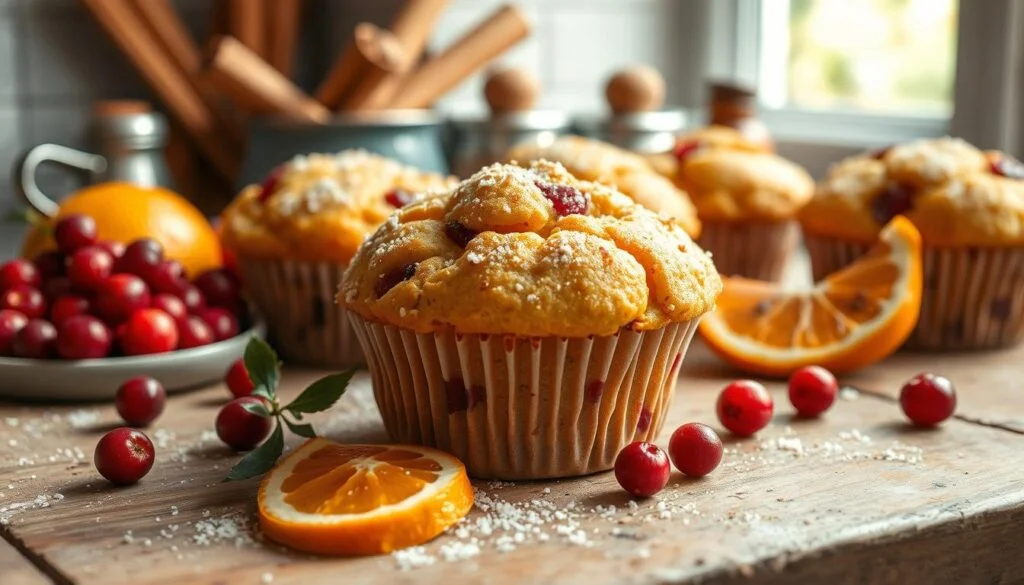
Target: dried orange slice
[[851, 319], [335, 499]]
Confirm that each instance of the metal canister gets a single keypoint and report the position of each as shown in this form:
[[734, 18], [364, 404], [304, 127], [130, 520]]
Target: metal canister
[[477, 143]]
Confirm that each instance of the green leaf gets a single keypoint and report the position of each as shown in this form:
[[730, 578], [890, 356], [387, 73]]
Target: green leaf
[[261, 459], [264, 369], [299, 429], [322, 394], [257, 408]]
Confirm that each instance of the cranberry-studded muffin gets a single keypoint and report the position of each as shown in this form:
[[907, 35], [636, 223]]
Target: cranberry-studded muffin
[[295, 234], [629, 173], [746, 199], [529, 322], [968, 206]]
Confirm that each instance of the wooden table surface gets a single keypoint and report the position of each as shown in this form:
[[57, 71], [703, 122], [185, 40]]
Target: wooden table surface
[[856, 497]]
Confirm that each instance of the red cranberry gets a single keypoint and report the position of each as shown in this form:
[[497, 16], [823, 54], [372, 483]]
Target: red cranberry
[[124, 456], [74, 232], [221, 321], [19, 271], [194, 332], [896, 199], [36, 340], [880, 153], [50, 264], [141, 257], [812, 390], [240, 429], [171, 305], [392, 278], [1007, 167], [67, 306], [220, 288], [695, 449], [566, 200], [269, 185], [685, 149], [928, 399], [167, 277], [399, 197], [56, 287], [458, 233], [744, 407], [10, 323], [642, 469], [24, 299], [121, 295], [193, 299], [140, 401], [237, 379], [83, 337], [88, 267], [149, 331], [115, 249]]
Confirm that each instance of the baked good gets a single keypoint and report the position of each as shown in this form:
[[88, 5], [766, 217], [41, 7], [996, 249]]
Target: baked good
[[527, 321], [746, 198], [968, 206], [629, 173], [295, 233]]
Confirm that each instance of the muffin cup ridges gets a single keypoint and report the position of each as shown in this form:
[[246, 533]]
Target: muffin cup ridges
[[750, 249]]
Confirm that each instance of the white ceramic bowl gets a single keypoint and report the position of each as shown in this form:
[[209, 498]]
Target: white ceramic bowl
[[90, 380]]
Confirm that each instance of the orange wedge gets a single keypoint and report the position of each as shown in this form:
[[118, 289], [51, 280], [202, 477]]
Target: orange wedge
[[851, 319], [335, 499]]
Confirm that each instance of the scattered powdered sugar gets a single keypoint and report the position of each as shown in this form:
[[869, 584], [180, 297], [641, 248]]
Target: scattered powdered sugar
[[849, 445], [81, 419], [9, 511], [849, 394], [233, 527], [413, 558]]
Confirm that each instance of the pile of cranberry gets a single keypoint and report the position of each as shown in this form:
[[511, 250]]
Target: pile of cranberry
[[94, 299]]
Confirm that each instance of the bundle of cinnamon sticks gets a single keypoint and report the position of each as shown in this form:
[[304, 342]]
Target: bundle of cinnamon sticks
[[244, 68]]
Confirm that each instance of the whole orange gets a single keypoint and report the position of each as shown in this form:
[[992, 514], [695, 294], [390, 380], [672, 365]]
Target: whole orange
[[126, 212]]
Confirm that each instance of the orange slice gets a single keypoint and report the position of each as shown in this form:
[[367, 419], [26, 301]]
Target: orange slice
[[335, 499], [851, 319]]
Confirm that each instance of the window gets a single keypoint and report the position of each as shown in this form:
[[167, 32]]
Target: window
[[886, 57]]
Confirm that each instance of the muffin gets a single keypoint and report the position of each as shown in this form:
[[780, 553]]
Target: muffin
[[969, 208], [746, 199], [529, 322], [295, 234], [629, 173]]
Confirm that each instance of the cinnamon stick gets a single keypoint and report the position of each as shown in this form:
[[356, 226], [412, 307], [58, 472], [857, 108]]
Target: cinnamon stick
[[126, 30], [381, 58], [498, 33], [254, 85], [283, 20], [344, 75], [412, 27], [246, 22]]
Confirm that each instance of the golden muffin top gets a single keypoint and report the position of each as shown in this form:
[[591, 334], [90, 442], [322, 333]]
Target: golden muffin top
[[731, 179], [529, 252], [629, 173], [320, 207], [954, 193]]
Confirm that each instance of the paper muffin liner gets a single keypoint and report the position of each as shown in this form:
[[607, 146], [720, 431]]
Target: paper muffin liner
[[305, 323], [521, 407], [750, 249], [973, 298]]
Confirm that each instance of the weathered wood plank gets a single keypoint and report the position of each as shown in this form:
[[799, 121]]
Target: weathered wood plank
[[16, 569], [813, 502]]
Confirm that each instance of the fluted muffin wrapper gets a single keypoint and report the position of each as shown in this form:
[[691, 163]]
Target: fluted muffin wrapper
[[297, 299], [520, 407], [973, 298], [750, 249]]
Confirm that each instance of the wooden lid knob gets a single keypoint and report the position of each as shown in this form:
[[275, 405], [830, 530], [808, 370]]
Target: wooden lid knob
[[511, 90], [636, 89], [113, 108]]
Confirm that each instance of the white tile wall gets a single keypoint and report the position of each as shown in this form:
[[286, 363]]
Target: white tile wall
[[55, 61]]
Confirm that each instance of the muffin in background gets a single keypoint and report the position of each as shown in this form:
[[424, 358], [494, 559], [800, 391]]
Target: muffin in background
[[968, 206], [529, 322], [294, 235], [629, 173], [746, 197]]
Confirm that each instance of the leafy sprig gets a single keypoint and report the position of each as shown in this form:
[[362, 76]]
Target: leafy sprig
[[265, 372]]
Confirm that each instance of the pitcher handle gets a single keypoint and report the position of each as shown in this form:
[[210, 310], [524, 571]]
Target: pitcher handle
[[26, 166]]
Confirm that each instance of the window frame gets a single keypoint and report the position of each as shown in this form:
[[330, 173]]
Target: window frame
[[988, 45]]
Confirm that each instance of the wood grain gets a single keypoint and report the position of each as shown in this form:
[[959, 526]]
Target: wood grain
[[860, 515], [16, 569]]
